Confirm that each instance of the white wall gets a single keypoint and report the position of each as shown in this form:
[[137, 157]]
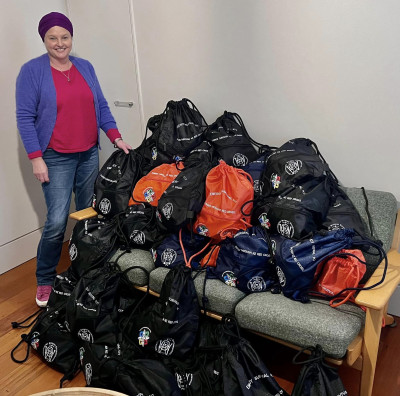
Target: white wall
[[22, 205], [322, 69]]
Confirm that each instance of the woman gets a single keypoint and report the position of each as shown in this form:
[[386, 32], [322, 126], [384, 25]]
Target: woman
[[60, 110]]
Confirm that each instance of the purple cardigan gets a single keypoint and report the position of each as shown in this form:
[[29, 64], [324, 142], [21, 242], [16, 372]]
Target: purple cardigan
[[37, 104]]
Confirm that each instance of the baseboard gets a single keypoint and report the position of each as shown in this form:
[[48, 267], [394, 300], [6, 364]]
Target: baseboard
[[24, 248]]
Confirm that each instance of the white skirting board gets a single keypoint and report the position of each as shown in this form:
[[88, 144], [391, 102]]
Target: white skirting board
[[24, 248]]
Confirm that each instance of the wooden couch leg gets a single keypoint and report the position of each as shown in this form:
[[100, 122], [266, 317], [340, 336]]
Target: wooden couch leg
[[372, 333]]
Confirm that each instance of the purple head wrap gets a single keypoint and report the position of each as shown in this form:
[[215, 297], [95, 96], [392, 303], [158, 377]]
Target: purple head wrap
[[54, 19]]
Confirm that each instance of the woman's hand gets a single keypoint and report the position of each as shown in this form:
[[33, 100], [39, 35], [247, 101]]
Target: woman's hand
[[40, 169], [122, 145]]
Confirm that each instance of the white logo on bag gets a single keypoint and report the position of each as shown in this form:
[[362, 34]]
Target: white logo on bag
[[168, 257], [184, 381], [258, 186], [293, 166], [256, 284], [88, 373], [335, 227], [167, 210], [73, 252], [50, 351], [85, 335], [285, 228], [165, 347], [138, 237], [105, 206], [240, 159], [281, 276]]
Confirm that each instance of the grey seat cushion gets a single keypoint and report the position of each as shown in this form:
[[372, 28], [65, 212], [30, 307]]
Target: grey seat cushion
[[301, 324], [222, 298], [136, 257], [382, 207]]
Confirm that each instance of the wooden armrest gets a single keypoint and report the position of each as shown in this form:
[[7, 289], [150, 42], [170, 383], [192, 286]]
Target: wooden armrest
[[379, 296], [83, 214]]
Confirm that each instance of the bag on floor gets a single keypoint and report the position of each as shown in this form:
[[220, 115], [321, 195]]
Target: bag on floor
[[53, 342], [146, 377], [150, 188], [168, 327], [229, 195], [255, 170], [231, 140], [243, 372], [92, 242], [98, 300], [317, 378], [114, 183], [183, 199], [63, 286]]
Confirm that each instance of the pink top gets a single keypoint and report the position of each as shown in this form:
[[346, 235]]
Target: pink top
[[76, 127]]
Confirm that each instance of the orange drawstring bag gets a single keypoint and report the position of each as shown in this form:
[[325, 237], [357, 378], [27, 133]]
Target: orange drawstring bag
[[339, 276], [150, 187], [229, 193]]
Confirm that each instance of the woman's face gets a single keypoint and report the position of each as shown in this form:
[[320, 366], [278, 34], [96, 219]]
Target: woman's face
[[58, 42]]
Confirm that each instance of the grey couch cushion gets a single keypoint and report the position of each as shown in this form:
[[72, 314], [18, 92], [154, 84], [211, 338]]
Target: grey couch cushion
[[382, 207], [135, 257], [222, 298], [301, 324]]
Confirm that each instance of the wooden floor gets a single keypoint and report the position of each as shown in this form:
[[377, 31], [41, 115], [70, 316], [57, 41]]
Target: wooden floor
[[17, 292]]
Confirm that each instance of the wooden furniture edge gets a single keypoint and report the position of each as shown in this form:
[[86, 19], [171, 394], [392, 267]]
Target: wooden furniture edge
[[83, 214], [378, 297]]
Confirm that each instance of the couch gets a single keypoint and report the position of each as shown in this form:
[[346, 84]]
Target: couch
[[348, 334]]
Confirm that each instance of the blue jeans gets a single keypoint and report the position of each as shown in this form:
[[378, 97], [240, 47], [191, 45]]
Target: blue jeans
[[68, 172]]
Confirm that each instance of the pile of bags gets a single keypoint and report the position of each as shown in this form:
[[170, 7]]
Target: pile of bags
[[200, 198]]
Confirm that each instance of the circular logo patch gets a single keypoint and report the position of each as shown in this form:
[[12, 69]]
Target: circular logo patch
[[285, 228], [149, 194], [73, 252], [168, 256], [138, 237], [293, 166], [256, 284], [167, 210], [281, 276], [239, 159], [105, 206], [229, 278]]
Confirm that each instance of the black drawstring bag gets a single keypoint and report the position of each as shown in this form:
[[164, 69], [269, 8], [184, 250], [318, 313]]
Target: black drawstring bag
[[317, 378], [298, 211], [175, 132], [243, 372], [145, 377], [169, 326], [294, 163], [231, 140], [184, 198], [53, 342], [114, 183], [343, 214], [91, 243], [138, 227], [63, 286]]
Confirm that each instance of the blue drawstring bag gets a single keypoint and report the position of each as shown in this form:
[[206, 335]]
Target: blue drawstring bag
[[169, 252], [244, 262], [255, 170], [296, 262]]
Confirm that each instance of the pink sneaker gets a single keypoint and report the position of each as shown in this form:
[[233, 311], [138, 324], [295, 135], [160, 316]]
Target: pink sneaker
[[42, 295]]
